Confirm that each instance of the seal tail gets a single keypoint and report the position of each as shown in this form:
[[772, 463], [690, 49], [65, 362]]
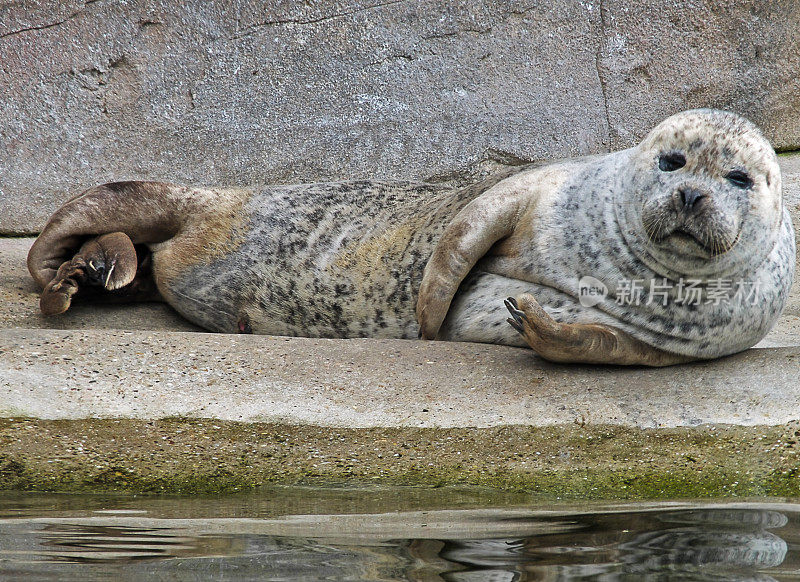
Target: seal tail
[[147, 212]]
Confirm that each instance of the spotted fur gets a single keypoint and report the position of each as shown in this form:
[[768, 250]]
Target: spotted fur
[[594, 217], [391, 259]]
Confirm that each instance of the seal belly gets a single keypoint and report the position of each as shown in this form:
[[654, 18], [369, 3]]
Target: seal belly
[[318, 260]]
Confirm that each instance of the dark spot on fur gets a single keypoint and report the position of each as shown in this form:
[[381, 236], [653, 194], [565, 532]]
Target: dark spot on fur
[[121, 187]]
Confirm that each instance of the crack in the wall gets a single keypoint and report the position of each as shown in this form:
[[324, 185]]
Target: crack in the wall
[[396, 57], [253, 29], [434, 36], [517, 11], [46, 26], [600, 76]]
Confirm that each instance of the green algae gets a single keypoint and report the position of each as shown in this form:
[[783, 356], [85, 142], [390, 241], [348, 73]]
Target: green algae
[[558, 462]]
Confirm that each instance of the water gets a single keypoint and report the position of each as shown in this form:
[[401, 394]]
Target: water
[[392, 534]]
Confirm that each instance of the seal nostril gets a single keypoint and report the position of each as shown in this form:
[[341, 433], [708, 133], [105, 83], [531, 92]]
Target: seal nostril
[[690, 197]]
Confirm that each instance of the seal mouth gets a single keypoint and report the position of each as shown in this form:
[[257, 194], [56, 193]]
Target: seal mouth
[[685, 236], [688, 243], [691, 243], [702, 237]]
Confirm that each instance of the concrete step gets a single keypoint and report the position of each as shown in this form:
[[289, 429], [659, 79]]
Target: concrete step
[[362, 383], [157, 367]]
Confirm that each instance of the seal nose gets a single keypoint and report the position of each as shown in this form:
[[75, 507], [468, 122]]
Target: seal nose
[[689, 199]]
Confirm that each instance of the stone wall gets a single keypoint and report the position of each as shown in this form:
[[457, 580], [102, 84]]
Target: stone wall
[[238, 92]]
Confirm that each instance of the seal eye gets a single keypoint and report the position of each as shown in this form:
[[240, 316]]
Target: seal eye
[[739, 178], [671, 161]]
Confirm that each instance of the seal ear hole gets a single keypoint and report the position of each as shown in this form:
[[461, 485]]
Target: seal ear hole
[[739, 178], [671, 161]]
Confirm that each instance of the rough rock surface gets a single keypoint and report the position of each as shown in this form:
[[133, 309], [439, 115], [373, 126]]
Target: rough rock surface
[[237, 92]]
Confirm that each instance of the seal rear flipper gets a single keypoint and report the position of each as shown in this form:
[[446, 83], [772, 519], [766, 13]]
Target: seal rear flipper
[[171, 228], [147, 212], [107, 269]]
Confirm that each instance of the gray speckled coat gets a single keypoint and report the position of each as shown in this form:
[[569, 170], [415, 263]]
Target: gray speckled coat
[[322, 260], [347, 259]]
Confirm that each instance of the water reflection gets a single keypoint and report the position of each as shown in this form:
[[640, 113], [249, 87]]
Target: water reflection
[[79, 543], [717, 544], [704, 543]]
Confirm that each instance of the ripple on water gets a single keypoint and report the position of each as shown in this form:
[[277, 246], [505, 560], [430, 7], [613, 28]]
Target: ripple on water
[[133, 540]]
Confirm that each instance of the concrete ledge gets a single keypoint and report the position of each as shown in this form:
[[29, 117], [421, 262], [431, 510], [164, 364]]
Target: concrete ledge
[[103, 372], [52, 374]]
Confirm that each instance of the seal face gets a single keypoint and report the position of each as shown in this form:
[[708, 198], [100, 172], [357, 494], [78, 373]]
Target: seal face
[[700, 183], [700, 203]]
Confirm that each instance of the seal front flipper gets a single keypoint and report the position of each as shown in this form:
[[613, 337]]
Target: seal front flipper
[[108, 262], [484, 221], [581, 343]]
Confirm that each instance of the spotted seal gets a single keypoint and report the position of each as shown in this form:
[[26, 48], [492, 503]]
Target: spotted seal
[[598, 253]]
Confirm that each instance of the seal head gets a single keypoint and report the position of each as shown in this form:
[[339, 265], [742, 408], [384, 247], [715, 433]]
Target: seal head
[[698, 184]]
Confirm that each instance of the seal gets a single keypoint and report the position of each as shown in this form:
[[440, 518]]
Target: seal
[[677, 249]]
